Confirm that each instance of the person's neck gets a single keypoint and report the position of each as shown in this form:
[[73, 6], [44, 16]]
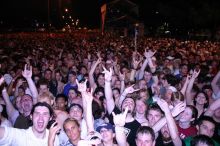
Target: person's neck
[[139, 116], [75, 142], [200, 106], [26, 113], [184, 125], [129, 118], [108, 143], [39, 135]]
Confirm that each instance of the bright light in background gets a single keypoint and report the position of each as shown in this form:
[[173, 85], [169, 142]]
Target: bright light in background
[[66, 10]]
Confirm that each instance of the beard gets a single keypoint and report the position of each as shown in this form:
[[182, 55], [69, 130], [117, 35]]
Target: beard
[[166, 139]]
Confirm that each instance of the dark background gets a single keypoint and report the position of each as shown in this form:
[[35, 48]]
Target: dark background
[[187, 14]]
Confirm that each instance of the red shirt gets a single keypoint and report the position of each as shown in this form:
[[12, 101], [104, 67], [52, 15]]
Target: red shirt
[[191, 131]]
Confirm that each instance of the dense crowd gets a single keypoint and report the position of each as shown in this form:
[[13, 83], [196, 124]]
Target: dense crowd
[[88, 89]]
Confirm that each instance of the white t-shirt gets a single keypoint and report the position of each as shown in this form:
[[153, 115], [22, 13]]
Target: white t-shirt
[[24, 137]]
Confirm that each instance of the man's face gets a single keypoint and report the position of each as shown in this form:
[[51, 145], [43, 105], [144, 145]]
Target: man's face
[[72, 130], [72, 78], [140, 107], [128, 102], [147, 76], [207, 128], [40, 118], [144, 140], [76, 113], [107, 134], [153, 116], [58, 76], [186, 115], [165, 133], [26, 103], [43, 89], [48, 75]]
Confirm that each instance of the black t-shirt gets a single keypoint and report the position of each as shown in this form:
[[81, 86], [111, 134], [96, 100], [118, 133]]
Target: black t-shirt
[[23, 122], [159, 141], [217, 133], [130, 128]]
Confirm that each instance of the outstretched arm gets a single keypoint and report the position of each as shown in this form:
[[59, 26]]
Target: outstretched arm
[[127, 91], [91, 72], [27, 74], [87, 99], [108, 90], [170, 122], [119, 121], [183, 90], [190, 86], [11, 111], [211, 109], [214, 83]]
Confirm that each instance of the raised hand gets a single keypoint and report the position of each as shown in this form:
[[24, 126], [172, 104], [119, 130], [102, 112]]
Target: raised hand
[[149, 54], [1, 80], [195, 74], [88, 96], [81, 86], [131, 89], [99, 54], [54, 129], [135, 63], [119, 119], [27, 73], [19, 83], [108, 74], [121, 76], [163, 105], [178, 109]]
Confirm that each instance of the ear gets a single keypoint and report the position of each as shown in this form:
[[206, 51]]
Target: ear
[[113, 134], [192, 119], [197, 127]]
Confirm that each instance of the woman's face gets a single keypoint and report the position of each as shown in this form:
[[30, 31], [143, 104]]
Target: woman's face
[[101, 80], [200, 99]]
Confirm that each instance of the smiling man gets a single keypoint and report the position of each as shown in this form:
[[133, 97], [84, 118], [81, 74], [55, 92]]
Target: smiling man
[[36, 135]]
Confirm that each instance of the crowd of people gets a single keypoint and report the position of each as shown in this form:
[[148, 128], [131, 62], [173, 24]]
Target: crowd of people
[[86, 89]]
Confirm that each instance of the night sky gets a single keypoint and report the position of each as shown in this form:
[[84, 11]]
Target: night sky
[[179, 13]]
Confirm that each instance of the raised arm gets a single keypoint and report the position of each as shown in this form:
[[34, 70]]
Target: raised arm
[[215, 87], [54, 129], [148, 55], [119, 121], [175, 112], [189, 100], [127, 91], [122, 79], [2, 132], [108, 90], [91, 72], [11, 111], [170, 122], [27, 74], [211, 109], [87, 99], [183, 90], [135, 64]]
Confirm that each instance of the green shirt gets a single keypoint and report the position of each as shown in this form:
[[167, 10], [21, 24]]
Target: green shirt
[[188, 140]]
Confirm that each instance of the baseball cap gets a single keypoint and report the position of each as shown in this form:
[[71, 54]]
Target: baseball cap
[[106, 126]]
